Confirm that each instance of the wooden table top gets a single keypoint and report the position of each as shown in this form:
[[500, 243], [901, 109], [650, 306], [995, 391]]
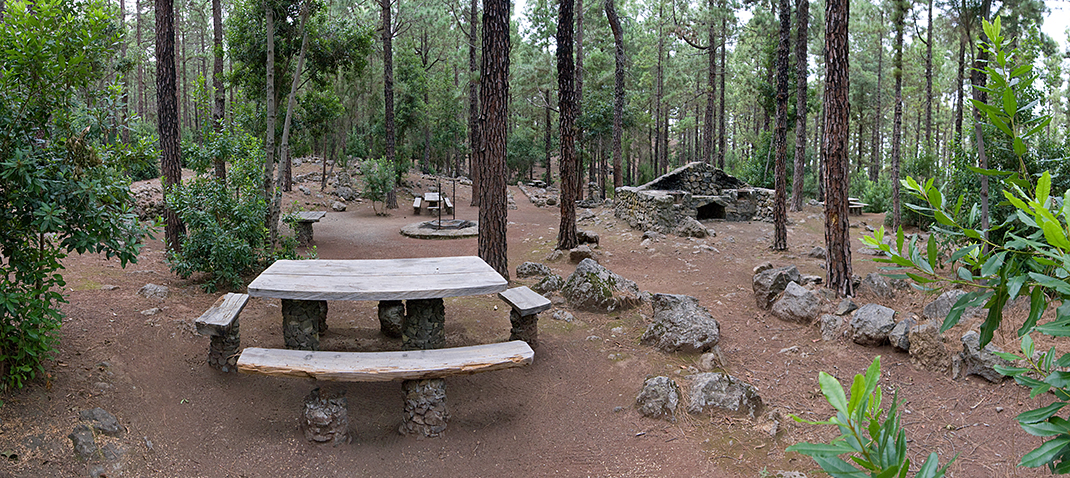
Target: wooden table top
[[432, 197], [378, 279]]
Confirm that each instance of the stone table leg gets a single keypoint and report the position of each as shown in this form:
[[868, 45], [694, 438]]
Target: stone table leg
[[302, 323], [525, 327], [304, 233], [425, 413], [425, 323], [325, 418], [223, 350], [391, 317]]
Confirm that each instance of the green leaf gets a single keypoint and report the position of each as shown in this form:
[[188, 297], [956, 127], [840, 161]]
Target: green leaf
[[833, 391], [1043, 429], [964, 274], [1010, 103], [963, 252], [993, 264], [819, 449], [1045, 453], [1051, 283], [838, 468], [932, 252], [1038, 303], [1040, 414], [1058, 379]]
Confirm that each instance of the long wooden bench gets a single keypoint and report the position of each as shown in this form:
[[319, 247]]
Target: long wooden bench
[[421, 373], [416, 205], [385, 366], [524, 316], [305, 219], [220, 322], [448, 205]]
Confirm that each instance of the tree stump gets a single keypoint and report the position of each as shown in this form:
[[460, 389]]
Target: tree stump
[[325, 418], [425, 413], [302, 323]]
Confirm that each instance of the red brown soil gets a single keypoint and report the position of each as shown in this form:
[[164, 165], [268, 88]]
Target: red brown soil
[[571, 413]]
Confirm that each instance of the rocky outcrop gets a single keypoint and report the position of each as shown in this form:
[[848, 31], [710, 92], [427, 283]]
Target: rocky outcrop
[[797, 304], [659, 398], [769, 283], [723, 391], [871, 324]]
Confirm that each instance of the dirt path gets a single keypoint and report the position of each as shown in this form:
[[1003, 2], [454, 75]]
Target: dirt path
[[571, 413]]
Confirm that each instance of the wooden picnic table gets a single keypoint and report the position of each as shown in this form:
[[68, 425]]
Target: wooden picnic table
[[305, 285]]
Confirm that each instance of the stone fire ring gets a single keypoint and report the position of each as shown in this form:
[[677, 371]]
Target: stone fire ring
[[420, 230]]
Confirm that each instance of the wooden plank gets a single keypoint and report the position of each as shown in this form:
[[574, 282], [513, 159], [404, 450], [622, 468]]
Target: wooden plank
[[380, 279], [385, 366], [525, 301], [310, 216], [431, 197], [220, 315]]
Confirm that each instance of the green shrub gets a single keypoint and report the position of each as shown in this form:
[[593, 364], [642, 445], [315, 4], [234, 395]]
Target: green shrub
[[226, 238], [138, 161], [56, 197], [379, 179]]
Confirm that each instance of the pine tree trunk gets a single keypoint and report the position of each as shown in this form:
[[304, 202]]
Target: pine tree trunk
[[140, 68], [566, 100], [979, 81], [285, 170], [167, 112], [711, 88], [897, 122], [878, 112], [802, 19], [959, 107], [474, 142], [929, 83], [581, 146], [548, 137], [494, 113], [124, 111], [272, 218], [217, 82], [388, 98], [659, 93], [721, 107], [834, 147], [618, 90], [780, 133]]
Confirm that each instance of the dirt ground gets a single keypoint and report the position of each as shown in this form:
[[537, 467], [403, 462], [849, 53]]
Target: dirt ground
[[572, 413]]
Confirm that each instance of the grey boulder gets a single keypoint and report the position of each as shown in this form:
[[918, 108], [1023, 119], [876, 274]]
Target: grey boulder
[[979, 361], [532, 269], [680, 324], [769, 283], [659, 398], [797, 304], [900, 334], [723, 391], [871, 324], [594, 288]]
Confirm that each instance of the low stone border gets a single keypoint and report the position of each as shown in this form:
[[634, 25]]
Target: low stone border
[[417, 231]]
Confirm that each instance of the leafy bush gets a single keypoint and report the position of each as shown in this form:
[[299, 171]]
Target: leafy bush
[[878, 194], [378, 180], [138, 161], [875, 447], [227, 240], [56, 196]]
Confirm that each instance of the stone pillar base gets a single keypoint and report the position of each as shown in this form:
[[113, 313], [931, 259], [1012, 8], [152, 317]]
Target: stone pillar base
[[391, 318], [304, 233], [325, 418], [302, 323], [425, 412], [425, 324], [524, 328], [224, 349]]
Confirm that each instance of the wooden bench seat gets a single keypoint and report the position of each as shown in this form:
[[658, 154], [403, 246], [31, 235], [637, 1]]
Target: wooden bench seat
[[385, 366], [220, 322], [448, 205], [524, 316], [416, 205], [856, 207]]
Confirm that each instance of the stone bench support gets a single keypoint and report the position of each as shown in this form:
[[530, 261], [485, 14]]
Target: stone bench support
[[220, 322], [524, 316]]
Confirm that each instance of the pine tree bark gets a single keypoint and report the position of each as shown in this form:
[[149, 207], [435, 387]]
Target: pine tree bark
[[618, 89], [979, 80], [802, 22], [167, 112], [958, 89], [780, 132], [270, 192], [834, 147], [581, 146], [878, 112], [566, 100], [897, 122], [494, 113], [721, 108], [388, 97], [140, 68], [474, 143], [659, 94], [125, 109], [217, 82], [929, 83]]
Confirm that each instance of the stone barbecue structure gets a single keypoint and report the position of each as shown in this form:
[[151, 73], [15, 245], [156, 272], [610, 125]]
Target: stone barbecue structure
[[698, 190]]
